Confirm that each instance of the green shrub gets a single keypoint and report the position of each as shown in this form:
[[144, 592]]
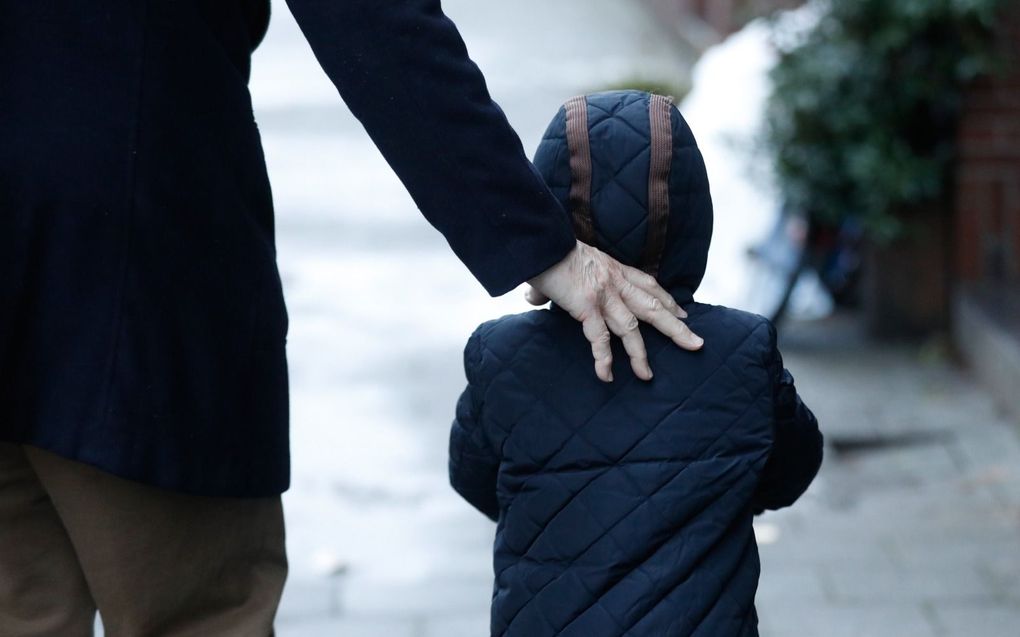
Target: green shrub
[[862, 116]]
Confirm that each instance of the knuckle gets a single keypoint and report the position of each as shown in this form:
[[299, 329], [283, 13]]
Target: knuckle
[[631, 324], [654, 305]]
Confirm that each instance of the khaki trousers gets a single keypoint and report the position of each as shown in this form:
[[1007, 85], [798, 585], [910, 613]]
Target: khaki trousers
[[154, 563]]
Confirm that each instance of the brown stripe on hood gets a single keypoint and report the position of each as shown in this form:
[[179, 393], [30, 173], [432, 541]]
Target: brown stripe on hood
[[661, 128], [580, 168]]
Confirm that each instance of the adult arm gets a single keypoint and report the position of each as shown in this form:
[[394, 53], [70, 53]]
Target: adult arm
[[403, 70]]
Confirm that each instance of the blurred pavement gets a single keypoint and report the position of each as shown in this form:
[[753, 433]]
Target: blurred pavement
[[913, 527]]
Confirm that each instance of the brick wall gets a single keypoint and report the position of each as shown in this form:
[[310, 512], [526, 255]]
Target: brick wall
[[987, 232]]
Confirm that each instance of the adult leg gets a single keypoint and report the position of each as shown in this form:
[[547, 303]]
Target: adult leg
[[42, 589], [164, 564]]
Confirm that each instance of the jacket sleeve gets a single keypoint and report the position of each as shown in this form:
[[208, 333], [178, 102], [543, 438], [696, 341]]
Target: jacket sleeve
[[797, 442], [474, 464], [404, 72]]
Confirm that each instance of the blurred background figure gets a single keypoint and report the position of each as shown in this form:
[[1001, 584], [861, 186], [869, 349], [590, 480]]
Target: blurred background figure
[[865, 167]]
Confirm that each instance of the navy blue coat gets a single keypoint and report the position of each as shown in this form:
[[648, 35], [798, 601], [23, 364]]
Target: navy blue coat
[[142, 324], [626, 508]]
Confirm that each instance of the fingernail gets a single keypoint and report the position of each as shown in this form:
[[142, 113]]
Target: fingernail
[[699, 341], [610, 376]]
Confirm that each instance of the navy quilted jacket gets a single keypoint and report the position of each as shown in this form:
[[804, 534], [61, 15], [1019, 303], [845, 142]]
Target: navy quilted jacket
[[626, 508]]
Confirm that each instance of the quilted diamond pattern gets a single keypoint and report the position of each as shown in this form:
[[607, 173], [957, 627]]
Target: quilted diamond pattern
[[623, 509]]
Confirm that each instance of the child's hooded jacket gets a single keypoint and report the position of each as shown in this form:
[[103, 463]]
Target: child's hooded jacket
[[625, 508]]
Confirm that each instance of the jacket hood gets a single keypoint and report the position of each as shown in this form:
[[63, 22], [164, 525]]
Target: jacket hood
[[626, 168]]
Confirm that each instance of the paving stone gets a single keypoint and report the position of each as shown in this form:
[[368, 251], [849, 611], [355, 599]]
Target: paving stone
[[848, 621], [1002, 568], [893, 584], [978, 620], [1005, 483], [990, 445], [837, 542], [350, 627], [981, 552], [467, 626], [443, 597], [784, 586]]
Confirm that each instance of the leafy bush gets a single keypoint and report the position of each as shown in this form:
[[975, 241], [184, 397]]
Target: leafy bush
[[862, 118]]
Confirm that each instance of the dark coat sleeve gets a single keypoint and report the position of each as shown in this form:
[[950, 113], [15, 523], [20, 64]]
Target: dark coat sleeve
[[404, 71], [797, 442], [474, 464]]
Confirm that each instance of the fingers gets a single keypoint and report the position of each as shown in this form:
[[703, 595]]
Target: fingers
[[624, 324], [648, 284], [533, 296], [597, 333], [650, 310], [605, 295]]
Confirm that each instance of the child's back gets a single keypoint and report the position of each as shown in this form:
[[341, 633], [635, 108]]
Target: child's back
[[625, 508]]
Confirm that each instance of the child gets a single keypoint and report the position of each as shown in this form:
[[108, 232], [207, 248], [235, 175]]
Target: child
[[625, 508]]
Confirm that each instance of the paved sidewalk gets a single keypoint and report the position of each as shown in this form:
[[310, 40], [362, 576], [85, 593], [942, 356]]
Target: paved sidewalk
[[913, 527]]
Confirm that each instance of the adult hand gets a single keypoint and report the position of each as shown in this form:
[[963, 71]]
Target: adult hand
[[605, 295]]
